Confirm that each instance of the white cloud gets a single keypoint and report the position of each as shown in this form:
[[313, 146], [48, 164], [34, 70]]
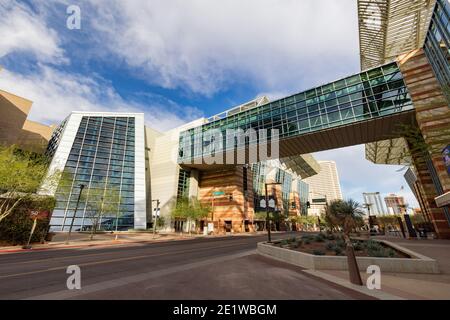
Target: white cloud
[[23, 31], [204, 45], [358, 175], [55, 94]]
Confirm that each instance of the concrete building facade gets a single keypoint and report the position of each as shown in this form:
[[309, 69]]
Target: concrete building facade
[[324, 187], [373, 203], [395, 204]]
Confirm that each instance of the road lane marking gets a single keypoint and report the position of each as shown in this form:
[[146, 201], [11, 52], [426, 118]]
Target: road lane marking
[[114, 283], [114, 260], [91, 255]]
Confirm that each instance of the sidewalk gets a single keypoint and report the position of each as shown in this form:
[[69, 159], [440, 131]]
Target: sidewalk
[[415, 286], [79, 240]]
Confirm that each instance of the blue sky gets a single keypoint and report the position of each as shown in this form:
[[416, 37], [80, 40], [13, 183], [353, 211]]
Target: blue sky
[[180, 60]]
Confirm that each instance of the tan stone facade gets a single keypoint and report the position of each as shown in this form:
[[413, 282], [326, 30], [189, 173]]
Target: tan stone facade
[[433, 119], [234, 210], [16, 129]]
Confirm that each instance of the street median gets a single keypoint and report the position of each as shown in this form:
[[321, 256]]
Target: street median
[[417, 263]]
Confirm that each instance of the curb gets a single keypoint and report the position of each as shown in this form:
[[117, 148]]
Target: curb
[[378, 294], [58, 248], [118, 242]]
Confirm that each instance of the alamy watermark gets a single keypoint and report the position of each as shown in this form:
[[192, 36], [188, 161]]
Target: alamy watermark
[[374, 280], [232, 146], [74, 280], [73, 21]]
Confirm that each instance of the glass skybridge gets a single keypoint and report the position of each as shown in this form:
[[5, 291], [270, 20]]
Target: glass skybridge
[[373, 94]]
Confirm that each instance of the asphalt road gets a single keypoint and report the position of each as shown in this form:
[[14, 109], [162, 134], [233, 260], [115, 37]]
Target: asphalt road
[[212, 268]]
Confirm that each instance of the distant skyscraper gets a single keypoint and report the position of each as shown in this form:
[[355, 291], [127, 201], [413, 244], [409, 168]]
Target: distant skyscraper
[[326, 182], [395, 204], [323, 187], [372, 200]]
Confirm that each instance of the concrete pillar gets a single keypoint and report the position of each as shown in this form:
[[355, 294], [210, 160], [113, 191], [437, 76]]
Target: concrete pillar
[[433, 119], [193, 184]]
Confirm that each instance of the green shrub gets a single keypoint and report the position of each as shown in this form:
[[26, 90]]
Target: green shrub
[[318, 252], [329, 245], [308, 237], [377, 252], [357, 246], [337, 250], [391, 253], [319, 238], [15, 228], [294, 244], [340, 243], [331, 237], [161, 222], [373, 245], [293, 239], [306, 241]]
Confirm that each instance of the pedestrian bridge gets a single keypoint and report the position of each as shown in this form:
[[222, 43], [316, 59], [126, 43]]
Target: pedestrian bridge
[[365, 107]]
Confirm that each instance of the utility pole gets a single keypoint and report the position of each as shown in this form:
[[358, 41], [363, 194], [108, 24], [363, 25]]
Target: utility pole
[[81, 186], [156, 217], [268, 225]]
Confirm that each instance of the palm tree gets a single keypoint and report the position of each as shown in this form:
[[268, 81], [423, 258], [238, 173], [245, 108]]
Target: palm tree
[[347, 215]]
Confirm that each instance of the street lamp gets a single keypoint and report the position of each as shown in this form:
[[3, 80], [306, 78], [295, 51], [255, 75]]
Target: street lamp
[[81, 186], [268, 221]]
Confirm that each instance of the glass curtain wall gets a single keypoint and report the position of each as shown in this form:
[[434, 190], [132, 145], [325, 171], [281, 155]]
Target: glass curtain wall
[[303, 194], [102, 157], [370, 94], [183, 184], [437, 44], [285, 179]]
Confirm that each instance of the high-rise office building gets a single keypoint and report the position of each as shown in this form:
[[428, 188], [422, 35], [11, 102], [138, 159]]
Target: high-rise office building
[[373, 203], [100, 151], [395, 204], [324, 187]]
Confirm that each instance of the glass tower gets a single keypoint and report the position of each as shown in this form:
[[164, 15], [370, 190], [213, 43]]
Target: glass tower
[[437, 44], [102, 153]]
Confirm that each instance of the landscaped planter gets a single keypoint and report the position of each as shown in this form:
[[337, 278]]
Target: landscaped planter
[[416, 264]]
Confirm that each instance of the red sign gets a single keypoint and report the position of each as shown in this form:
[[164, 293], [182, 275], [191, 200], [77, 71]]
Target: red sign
[[38, 215]]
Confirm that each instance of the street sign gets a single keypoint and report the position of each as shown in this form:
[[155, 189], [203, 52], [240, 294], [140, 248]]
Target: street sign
[[262, 203], [271, 203], [218, 193], [38, 215], [156, 212]]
